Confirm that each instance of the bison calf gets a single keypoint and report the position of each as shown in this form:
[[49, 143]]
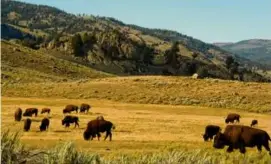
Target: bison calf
[[232, 117], [70, 108], [239, 137], [44, 124], [45, 110], [94, 128], [69, 120], [27, 124], [84, 108], [210, 132], [254, 122], [18, 114], [30, 112]]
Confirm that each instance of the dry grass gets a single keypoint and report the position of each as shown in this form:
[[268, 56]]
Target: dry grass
[[21, 64], [253, 97], [140, 128]]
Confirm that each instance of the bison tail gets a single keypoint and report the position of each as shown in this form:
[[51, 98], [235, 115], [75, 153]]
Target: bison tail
[[113, 127], [86, 135]]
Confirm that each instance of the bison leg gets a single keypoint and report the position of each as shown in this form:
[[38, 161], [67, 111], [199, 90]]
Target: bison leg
[[259, 147], [242, 148], [107, 134], [98, 136], [76, 124], [266, 146], [230, 149]]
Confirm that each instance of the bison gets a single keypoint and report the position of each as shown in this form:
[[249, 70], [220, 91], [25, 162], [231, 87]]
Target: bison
[[27, 124], [232, 117], [18, 114], [70, 108], [84, 108], [44, 124], [94, 128], [45, 110], [210, 132], [30, 112], [254, 122], [240, 136], [69, 120]]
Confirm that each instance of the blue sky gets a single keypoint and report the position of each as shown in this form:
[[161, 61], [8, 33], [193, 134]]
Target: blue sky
[[207, 20]]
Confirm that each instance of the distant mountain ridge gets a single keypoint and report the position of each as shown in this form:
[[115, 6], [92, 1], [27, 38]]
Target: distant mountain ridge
[[258, 50], [112, 46]]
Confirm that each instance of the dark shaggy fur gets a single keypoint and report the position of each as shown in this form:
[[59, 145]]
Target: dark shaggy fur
[[70, 108], [84, 108], [45, 110], [239, 137], [232, 117], [70, 120], [18, 114], [44, 124], [95, 127], [27, 124], [210, 132], [30, 112]]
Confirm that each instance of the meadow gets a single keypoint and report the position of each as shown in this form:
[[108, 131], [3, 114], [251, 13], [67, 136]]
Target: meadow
[[152, 125]]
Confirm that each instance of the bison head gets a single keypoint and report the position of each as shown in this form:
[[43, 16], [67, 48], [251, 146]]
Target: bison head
[[205, 137], [219, 141], [226, 121]]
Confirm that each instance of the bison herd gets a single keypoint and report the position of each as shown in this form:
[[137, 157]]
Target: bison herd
[[234, 136], [237, 136], [94, 127]]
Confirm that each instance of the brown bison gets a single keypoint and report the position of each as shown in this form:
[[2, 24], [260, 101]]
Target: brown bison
[[239, 137], [18, 114], [84, 108], [45, 110], [254, 122], [44, 124], [232, 117], [30, 112], [70, 108], [27, 124], [210, 132], [94, 128], [70, 120]]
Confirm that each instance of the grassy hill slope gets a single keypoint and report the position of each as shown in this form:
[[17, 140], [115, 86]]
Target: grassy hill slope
[[22, 64], [254, 97]]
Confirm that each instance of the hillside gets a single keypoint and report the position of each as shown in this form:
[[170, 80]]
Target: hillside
[[257, 50], [109, 45], [21, 64]]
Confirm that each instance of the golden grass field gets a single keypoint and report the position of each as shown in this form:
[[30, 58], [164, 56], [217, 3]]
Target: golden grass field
[[139, 127]]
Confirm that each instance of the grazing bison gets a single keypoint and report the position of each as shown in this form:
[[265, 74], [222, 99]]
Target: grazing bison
[[69, 120], [210, 131], [44, 124], [100, 118], [27, 124], [84, 107], [254, 122], [45, 110], [30, 112], [239, 137], [18, 114], [70, 108], [232, 117], [94, 128]]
